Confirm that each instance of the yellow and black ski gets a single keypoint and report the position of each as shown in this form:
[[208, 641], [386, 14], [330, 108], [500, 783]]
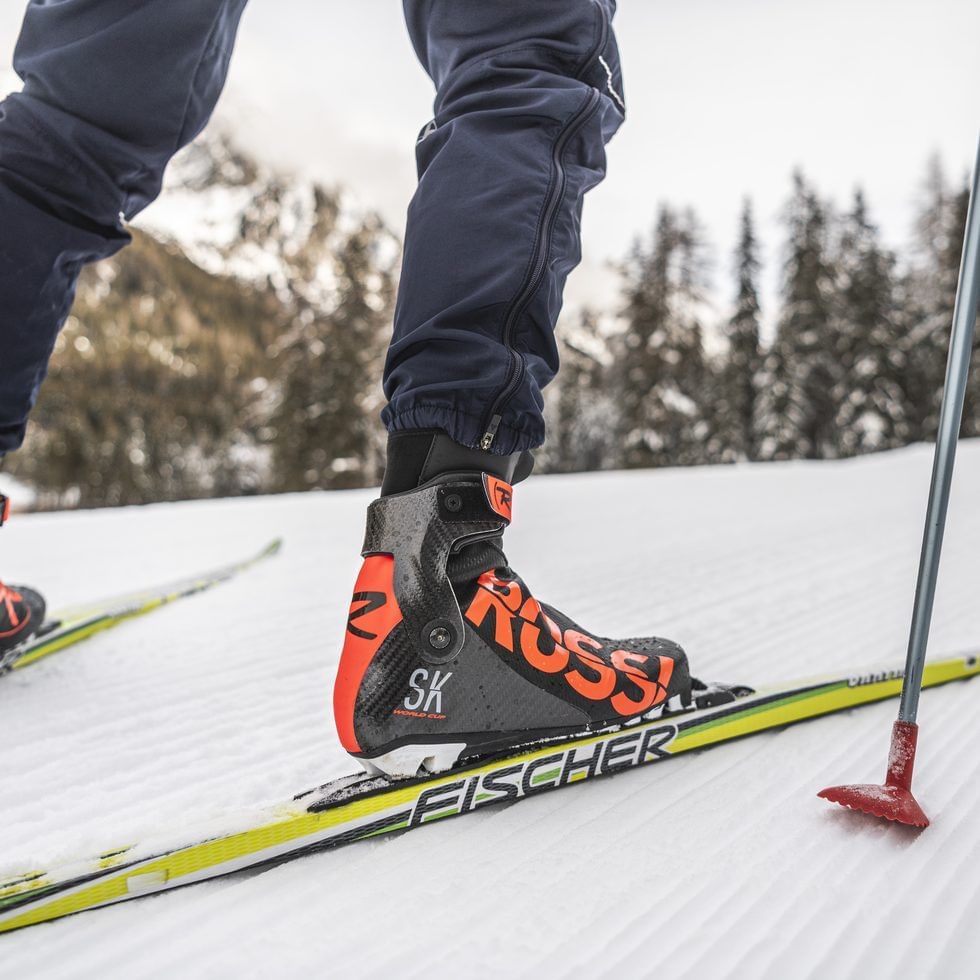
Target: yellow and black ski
[[67, 628], [357, 807]]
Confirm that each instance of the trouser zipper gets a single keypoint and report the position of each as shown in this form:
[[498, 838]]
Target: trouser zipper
[[536, 268]]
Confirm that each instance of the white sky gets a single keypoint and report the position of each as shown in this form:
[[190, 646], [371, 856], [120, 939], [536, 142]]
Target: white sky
[[725, 98]]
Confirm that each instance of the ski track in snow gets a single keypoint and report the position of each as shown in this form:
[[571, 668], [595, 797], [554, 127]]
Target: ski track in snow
[[718, 864]]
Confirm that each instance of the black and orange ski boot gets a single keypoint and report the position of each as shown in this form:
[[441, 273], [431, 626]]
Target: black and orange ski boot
[[21, 609], [448, 656]]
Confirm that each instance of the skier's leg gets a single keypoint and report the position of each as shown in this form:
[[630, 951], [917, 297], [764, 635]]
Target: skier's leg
[[113, 88], [448, 655], [527, 96]]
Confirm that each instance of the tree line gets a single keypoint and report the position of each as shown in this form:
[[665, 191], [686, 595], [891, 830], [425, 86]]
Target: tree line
[[173, 382], [855, 362], [170, 382]]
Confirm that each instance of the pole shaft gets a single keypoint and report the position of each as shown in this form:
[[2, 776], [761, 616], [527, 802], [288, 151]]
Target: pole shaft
[[950, 419]]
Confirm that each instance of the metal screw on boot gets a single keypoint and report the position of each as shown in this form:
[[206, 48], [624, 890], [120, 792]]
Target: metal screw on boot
[[440, 638]]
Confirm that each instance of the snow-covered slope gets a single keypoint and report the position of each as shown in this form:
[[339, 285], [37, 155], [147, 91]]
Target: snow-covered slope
[[23, 495], [717, 864]]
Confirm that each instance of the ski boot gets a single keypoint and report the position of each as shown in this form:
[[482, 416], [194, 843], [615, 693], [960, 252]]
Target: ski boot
[[21, 609], [448, 656]]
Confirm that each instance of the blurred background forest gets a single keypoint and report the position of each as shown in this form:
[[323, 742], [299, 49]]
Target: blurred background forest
[[237, 346]]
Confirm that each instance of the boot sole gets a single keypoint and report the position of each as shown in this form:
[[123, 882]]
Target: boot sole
[[411, 759]]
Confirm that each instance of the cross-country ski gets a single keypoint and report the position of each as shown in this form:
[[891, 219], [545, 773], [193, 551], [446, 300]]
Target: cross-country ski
[[70, 626], [612, 371], [354, 808]]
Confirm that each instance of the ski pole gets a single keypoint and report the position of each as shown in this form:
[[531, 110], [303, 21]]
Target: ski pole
[[950, 419], [894, 800]]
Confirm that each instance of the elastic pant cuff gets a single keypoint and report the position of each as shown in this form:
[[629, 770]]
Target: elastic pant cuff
[[464, 428]]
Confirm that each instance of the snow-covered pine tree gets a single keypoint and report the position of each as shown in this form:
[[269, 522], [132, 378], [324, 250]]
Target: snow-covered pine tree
[[327, 432], [795, 410], [734, 406], [660, 371], [872, 411], [959, 206], [929, 295], [581, 409], [153, 378]]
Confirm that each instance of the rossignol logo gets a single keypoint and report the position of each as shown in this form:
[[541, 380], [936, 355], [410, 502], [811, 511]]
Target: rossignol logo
[[425, 701], [500, 495], [372, 601], [878, 677], [559, 768], [631, 682]]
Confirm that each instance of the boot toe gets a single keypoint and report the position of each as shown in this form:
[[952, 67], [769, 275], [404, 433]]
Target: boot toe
[[35, 602], [655, 646]]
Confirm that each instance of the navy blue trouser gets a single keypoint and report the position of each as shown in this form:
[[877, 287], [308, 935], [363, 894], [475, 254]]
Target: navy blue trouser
[[528, 93]]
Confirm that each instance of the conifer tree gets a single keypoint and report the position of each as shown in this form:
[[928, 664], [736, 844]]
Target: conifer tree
[[581, 408], [795, 410], [959, 206], [153, 382], [872, 411], [929, 294], [329, 369], [661, 370], [735, 405]]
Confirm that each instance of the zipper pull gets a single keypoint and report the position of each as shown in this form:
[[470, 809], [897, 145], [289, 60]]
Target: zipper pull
[[487, 441]]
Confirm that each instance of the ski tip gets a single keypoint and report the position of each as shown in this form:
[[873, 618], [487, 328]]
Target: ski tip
[[272, 548]]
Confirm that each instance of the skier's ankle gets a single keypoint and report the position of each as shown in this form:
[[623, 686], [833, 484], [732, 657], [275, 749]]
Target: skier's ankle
[[417, 456]]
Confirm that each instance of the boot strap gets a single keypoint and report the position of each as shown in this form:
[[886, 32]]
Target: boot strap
[[420, 529]]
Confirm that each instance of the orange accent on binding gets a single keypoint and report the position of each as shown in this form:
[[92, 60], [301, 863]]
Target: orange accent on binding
[[374, 613], [4, 509], [500, 495]]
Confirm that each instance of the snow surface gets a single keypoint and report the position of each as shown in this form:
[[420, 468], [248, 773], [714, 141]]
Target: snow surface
[[723, 863], [21, 495]]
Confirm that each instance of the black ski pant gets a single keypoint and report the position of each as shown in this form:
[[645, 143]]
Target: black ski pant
[[527, 95]]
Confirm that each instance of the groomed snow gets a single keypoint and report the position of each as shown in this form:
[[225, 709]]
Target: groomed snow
[[719, 864]]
